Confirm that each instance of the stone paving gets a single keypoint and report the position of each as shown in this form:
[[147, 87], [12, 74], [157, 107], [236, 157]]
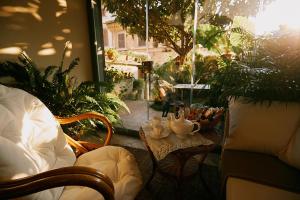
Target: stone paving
[[138, 115], [132, 122]]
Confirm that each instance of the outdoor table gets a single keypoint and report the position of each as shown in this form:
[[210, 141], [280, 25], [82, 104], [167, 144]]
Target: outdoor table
[[173, 163], [191, 86]]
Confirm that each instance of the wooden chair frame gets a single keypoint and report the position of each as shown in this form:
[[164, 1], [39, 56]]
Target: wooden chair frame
[[83, 146], [67, 176]]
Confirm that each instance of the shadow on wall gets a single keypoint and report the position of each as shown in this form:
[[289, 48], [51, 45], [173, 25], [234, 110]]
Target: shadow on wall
[[41, 28]]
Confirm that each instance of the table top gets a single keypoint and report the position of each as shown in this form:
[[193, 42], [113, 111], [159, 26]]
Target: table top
[[194, 86], [162, 147]]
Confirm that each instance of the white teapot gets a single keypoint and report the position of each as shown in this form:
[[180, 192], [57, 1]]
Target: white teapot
[[182, 127]]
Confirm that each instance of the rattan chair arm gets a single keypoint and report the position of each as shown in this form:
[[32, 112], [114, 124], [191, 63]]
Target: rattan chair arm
[[67, 176], [84, 147]]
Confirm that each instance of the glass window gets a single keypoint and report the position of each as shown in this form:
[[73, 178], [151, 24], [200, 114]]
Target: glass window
[[121, 40]]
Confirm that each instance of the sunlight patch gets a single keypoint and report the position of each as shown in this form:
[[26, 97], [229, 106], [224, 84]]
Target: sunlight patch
[[47, 45], [31, 9], [11, 50], [47, 52], [59, 38], [277, 14], [66, 30]]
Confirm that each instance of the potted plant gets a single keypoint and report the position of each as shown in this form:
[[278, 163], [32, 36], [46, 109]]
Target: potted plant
[[112, 54], [61, 93]]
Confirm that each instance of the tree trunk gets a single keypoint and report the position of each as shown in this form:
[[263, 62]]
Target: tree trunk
[[180, 59], [182, 56]]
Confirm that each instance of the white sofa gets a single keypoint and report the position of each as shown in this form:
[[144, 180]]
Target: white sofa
[[32, 142], [261, 155]]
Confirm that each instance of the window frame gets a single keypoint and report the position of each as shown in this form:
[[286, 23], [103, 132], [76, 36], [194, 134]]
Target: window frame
[[94, 17]]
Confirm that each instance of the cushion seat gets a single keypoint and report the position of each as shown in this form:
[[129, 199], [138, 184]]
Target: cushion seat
[[118, 164]]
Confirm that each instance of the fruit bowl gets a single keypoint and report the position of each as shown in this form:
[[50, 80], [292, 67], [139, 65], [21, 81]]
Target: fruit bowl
[[207, 117]]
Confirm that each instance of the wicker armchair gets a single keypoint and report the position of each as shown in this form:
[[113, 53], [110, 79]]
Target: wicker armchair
[[37, 158]]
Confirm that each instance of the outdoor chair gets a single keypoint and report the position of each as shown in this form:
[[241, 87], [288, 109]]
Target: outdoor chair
[[37, 160]]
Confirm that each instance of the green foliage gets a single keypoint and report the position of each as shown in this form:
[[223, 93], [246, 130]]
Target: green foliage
[[137, 57], [138, 84], [269, 72], [275, 52], [206, 67], [114, 77], [209, 35], [61, 93], [170, 22], [137, 88], [221, 40], [171, 73], [241, 40]]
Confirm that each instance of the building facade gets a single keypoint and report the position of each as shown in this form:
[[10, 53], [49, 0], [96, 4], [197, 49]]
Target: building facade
[[118, 38]]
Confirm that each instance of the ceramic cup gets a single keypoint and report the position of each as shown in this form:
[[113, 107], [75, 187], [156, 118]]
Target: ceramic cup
[[157, 130], [156, 121]]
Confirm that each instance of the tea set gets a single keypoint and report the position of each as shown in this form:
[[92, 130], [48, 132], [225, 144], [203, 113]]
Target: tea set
[[181, 127]]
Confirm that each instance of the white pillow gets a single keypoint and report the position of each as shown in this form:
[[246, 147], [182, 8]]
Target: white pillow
[[31, 140], [261, 127]]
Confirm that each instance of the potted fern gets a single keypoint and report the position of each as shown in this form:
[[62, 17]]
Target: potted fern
[[61, 93]]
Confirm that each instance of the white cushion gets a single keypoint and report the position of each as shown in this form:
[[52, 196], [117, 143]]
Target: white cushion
[[31, 140], [115, 162], [261, 127]]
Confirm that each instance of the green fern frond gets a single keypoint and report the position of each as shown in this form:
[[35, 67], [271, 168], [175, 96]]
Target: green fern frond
[[72, 65], [117, 101], [49, 71], [91, 100]]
